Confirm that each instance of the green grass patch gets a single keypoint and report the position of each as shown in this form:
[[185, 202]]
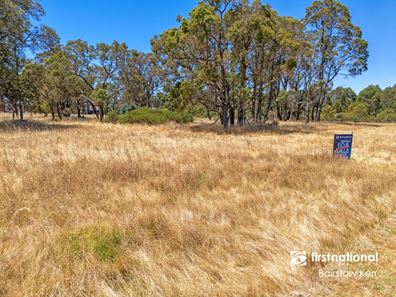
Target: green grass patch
[[103, 242]]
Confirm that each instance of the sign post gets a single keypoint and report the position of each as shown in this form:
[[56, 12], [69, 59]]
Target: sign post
[[343, 146]]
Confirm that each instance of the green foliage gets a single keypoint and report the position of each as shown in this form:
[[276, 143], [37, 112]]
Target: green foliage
[[389, 98], [387, 115], [199, 111], [329, 24], [182, 117], [337, 43], [103, 242], [155, 116], [341, 98], [126, 108], [111, 117], [372, 96], [372, 104], [357, 112], [328, 113], [192, 69], [145, 115], [100, 96], [21, 31]]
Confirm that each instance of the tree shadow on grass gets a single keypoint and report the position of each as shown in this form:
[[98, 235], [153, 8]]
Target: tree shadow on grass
[[30, 125], [358, 124], [283, 129]]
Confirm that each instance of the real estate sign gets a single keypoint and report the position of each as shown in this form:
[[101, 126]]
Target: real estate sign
[[343, 145]]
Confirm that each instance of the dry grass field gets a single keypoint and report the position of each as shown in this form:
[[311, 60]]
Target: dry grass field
[[89, 209]]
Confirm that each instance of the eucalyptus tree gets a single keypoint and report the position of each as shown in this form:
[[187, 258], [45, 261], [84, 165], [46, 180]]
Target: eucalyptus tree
[[199, 51], [97, 67], [61, 82], [389, 98], [32, 83], [251, 33], [140, 78], [341, 98], [234, 56], [294, 75], [20, 31], [373, 97], [337, 43], [82, 56]]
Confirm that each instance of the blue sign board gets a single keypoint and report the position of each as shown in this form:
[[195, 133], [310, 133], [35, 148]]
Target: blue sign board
[[343, 145]]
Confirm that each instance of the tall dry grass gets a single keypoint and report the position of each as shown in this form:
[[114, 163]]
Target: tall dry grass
[[89, 209]]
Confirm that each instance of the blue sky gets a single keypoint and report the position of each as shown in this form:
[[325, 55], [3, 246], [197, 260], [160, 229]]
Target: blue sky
[[137, 21]]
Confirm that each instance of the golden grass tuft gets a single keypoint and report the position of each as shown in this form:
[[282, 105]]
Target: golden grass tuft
[[89, 209]]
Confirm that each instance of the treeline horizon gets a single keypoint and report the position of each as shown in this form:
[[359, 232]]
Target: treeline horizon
[[235, 60], [370, 104]]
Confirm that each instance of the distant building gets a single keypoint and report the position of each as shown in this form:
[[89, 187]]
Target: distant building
[[87, 108]]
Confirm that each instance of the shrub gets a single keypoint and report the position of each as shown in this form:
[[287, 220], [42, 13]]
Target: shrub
[[154, 116], [357, 112], [145, 115], [183, 117], [338, 116], [387, 115], [328, 113], [111, 117], [126, 108]]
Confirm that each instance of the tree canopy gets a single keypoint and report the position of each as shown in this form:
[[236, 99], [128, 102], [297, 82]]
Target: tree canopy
[[239, 60]]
